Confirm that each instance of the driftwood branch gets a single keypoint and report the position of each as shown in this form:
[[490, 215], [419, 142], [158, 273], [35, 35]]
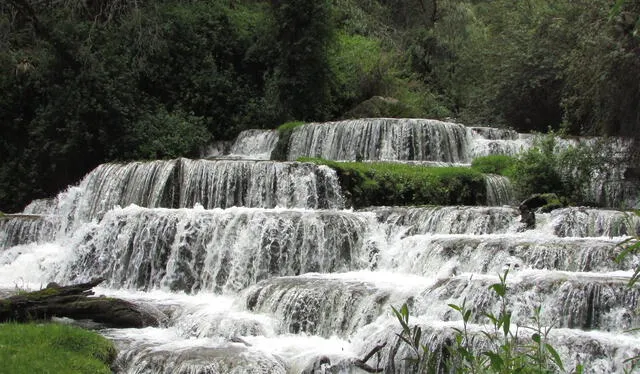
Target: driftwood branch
[[362, 364], [74, 302]]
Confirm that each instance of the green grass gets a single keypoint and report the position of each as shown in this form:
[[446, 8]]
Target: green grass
[[53, 348], [288, 126], [384, 183], [494, 164]]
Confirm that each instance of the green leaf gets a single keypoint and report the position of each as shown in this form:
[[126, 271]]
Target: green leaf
[[499, 288], [506, 323], [401, 318], [497, 363], [467, 316], [492, 318], [405, 312], [536, 338], [417, 334], [554, 356], [454, 307], [405, 339], [627, 248]]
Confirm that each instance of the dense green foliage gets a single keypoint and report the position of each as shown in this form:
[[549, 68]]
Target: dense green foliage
[[552, 169], [564, 171], [112, 80], [53, 348], [380, 183]]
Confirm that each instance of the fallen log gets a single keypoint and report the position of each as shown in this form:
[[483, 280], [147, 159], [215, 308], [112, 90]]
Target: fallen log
[[76, 302]]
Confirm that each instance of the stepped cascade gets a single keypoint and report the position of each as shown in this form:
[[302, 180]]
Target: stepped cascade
[[260, 267]]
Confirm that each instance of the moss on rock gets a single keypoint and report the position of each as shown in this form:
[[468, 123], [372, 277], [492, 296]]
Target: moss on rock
[[281, 150]]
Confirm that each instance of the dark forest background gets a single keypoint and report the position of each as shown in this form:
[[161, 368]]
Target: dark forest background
[[83, 82]]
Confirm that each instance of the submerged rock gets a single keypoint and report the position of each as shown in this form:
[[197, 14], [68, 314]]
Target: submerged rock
[[231, 358]]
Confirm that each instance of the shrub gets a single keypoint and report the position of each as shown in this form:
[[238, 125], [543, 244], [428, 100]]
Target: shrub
[[289, 126], [565, 171], [168, 135], [536, 171], [494, 164]]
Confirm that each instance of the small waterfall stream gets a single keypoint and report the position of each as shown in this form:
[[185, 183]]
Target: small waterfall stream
[[259, 267]]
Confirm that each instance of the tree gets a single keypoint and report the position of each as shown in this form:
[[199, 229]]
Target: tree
[[300, 85]]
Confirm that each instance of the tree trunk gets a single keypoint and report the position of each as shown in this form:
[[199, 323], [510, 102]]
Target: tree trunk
[[74, 302]]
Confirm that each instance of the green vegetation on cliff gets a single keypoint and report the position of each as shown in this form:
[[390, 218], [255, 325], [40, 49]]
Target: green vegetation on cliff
[[53, 348], [381, 183]]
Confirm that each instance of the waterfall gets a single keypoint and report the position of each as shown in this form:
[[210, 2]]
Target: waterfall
[[499, 190], [217, 250], [254, 144], [403, 140], [381, 139], [258, 184], [487, 141], [26, 229], [318, 305], [582, 222], [187, 183], [259, 268]]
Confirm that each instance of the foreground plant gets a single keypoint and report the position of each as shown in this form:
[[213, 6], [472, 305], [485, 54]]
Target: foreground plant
[[508, 351]]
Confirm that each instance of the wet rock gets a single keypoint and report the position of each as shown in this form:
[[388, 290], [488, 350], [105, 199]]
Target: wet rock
[[234, 358], [544, 202]]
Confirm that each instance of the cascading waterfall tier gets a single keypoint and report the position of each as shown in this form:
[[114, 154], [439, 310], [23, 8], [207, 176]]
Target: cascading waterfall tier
[[381, 139], [254, 144], [185, 183], [259, 269], [392, 139], [216, 250]]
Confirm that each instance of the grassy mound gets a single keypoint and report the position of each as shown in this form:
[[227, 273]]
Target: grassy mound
[[53, 348], [383, 183]]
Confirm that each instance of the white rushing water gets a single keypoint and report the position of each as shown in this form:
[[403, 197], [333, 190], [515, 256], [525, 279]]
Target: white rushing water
[[258, 268], [254, 144]]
